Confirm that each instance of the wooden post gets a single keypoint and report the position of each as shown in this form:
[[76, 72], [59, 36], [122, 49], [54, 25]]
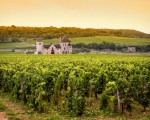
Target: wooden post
[[120, 105]]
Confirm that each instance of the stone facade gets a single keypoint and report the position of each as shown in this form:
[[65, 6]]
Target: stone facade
[[64, 47]]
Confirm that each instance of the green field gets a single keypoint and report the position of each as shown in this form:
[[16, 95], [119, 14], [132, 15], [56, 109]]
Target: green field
[[112, 39], [86, 40], [16, 45]]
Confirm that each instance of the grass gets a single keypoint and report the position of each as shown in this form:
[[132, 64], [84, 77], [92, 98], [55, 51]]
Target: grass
[[2, 107], [86, 40], [16, 110], [7, 52], [99, 39], [9, 113], [113, 39], [15, 45]]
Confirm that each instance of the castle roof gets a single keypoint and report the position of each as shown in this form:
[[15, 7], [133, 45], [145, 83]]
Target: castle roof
[[46, 46], [69, 44], [39, 40], [64, 39], [57, 46]]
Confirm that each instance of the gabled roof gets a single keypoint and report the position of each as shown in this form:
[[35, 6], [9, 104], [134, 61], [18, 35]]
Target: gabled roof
[[39, 40], [69, 44], [46, 46], [57, 46], [64, 39]]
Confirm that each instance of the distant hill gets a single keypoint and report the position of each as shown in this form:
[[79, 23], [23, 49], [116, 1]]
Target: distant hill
[[16, 34], [100, 39], [85, 40]]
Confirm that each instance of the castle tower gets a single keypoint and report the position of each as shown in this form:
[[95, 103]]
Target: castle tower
[[64, 42], [70, 48], [39, 46]]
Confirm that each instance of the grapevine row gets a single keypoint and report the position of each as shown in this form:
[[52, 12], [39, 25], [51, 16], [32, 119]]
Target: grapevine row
[[71, 83]]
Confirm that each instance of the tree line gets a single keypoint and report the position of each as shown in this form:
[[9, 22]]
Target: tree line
[[110, 46], [16, 33]]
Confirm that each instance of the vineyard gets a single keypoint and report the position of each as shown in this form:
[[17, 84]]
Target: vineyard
[[74, 83]]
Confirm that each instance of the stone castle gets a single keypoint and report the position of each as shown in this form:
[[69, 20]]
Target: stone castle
[[64, 47]]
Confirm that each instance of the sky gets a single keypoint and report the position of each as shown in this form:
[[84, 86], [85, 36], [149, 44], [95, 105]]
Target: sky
[[111, 14]]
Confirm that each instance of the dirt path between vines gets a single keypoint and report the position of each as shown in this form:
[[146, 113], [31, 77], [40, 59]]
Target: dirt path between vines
[[16, 109], [3, 116]]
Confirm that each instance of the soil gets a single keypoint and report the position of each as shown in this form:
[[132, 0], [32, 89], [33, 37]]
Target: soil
[[3, 116], [18, 111]]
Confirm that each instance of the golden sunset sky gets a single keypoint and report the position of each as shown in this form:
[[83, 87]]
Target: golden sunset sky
[[116, 14]]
